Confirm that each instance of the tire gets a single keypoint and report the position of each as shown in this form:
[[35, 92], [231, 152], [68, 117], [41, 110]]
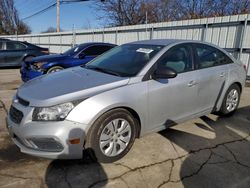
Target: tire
[[231, 101], [105, 145], [54, 69]]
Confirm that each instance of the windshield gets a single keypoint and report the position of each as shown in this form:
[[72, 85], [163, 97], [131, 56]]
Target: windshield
[[125, 60], [72, 51]]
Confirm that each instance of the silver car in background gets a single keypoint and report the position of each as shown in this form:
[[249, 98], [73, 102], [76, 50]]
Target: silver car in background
[[134, 89]]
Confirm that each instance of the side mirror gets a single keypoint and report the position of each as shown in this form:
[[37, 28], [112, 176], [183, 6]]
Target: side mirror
[[164, 72], [82, 55]]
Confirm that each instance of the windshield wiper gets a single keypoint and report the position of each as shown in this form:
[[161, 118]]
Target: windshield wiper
[[103, 70]]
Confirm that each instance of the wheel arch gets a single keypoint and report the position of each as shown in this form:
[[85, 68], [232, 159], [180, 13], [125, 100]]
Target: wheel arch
[[219, 103], [28, 55], [134, 114], [238, 84], [136, 117]]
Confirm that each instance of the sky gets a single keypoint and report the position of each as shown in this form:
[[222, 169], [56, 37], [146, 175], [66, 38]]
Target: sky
[[81, 15]]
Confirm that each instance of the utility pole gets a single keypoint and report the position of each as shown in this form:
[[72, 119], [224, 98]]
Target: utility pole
[[58, 15]]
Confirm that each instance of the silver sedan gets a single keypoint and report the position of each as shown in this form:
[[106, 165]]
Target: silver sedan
[[133, 89]]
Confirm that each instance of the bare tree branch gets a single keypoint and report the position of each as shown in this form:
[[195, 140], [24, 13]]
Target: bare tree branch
[[10, 22]]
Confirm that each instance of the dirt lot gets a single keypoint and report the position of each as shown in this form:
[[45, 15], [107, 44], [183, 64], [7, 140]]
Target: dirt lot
[[207, 152]]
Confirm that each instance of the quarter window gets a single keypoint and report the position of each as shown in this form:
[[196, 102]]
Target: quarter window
[[177, 58], [210, 57]]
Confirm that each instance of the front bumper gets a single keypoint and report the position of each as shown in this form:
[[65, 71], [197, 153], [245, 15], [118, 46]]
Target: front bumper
[[60, 132], [28, 74]]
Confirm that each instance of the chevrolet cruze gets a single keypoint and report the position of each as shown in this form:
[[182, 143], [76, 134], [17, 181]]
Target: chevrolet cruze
[[131, 90]]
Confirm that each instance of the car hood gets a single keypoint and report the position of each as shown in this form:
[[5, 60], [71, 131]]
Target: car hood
[[48, 58], [68, 85]]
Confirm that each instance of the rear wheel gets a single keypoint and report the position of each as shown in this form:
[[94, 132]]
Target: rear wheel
[[112, 135], [54, 69], [231, 100]]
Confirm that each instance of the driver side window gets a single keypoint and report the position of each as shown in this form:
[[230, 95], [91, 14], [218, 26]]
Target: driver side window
[[177, 58]]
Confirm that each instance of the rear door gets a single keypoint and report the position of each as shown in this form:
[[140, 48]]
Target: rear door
[[173, 100], [211, 65], [14, 52]]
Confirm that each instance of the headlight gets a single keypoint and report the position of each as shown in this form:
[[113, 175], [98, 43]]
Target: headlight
[[37, 66], [53, 113]]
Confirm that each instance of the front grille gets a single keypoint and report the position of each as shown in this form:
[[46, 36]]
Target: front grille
[[22, 101], [16, 115]]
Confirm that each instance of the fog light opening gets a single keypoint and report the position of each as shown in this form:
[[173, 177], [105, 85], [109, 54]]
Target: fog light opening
[[44, 144]]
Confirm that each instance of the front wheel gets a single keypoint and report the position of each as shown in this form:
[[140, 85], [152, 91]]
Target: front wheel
[[112, 135], [231, 100], [54, 69]]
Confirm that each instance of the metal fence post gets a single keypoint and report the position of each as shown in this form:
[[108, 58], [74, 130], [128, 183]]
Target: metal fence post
[[49, 41], [74, 37], [152, 33], [205, 32], [116, 35], [242, 38], [60, 43], [103, 35]]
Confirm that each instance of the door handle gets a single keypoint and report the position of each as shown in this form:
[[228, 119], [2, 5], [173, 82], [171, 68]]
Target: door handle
[[222, 74], [192, 83]]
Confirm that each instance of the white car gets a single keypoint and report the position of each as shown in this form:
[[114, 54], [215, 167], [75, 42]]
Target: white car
[[131, 90]]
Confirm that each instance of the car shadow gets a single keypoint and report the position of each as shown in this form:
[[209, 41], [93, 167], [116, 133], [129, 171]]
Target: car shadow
[[12, 158], [83, 172], [218, 161], [87, 172]]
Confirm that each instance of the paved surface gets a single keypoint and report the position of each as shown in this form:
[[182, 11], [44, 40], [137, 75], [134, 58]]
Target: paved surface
[[206, 152]]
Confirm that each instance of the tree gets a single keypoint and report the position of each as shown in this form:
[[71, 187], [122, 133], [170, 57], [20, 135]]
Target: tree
[[192, 9], [10, 22], [50, 30], [130, 12], [240, 8]]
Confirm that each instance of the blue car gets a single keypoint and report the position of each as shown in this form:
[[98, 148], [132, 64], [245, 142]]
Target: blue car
[[78, 55]]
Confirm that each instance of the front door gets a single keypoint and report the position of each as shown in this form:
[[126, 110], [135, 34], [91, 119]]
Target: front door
[[172, 100]]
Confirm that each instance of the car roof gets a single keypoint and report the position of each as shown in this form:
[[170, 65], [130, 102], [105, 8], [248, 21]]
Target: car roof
[[96, 43], [4, 39], [163, 42]]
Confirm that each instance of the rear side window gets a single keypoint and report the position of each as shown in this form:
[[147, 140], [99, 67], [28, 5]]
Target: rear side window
[[177, 58], [210, 57], [96, 50], [15, 46]]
